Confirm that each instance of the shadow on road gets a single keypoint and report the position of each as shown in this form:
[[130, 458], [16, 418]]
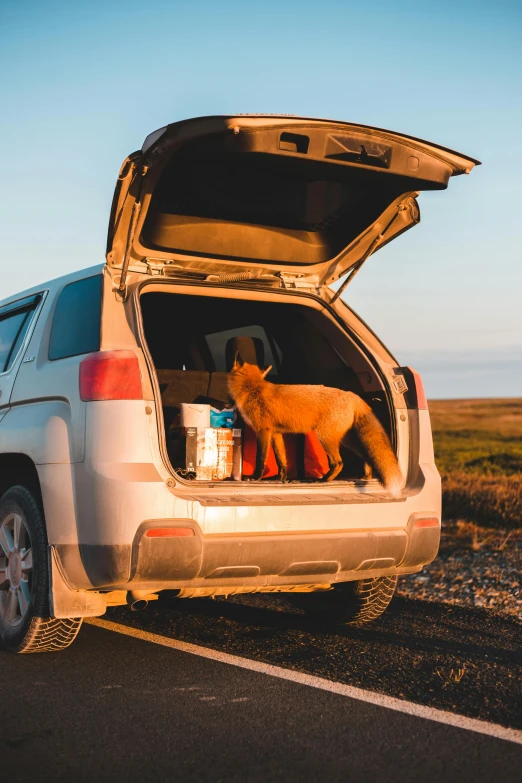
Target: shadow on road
[[464, 660], [417, 625]]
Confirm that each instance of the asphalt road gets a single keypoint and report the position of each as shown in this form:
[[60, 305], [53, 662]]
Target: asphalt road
[[113, 707], [409, 653]]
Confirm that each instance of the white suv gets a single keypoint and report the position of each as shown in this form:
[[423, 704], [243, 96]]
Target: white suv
[[225, 232]]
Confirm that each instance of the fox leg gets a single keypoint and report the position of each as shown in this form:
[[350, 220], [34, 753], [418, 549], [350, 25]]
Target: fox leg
[[368, 471], [280, 454], [264, 438], [331, 448]]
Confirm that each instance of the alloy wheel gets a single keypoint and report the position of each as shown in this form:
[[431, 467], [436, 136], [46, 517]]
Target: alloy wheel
[[16, 570]]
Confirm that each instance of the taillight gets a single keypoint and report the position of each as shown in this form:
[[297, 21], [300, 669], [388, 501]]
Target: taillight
[[416, 396], [426, 522], [168, 532], [110, 375]]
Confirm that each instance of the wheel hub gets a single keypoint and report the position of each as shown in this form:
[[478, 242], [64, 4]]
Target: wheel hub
[[14, 569]]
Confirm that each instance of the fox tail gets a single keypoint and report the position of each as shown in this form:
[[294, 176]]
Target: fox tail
[[378, 448]]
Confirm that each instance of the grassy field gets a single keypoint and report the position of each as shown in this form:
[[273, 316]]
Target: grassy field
[[478, 449]]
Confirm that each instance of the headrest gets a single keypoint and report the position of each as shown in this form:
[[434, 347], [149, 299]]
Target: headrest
[[251, 350]]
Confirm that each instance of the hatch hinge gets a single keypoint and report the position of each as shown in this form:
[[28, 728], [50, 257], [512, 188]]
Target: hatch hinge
[[155, 268], [293, 281]]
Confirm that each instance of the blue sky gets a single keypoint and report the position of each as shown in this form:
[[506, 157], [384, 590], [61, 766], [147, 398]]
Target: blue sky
[[84, 82]]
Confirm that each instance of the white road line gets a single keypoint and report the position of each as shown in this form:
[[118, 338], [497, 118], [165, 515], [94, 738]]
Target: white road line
[[380, 700]]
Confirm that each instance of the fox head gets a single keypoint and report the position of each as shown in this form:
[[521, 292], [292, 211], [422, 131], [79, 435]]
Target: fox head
[[244, 375], [248, 370]]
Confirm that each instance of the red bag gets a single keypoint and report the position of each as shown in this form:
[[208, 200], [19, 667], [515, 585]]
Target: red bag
[[312, 462], [315, 459]]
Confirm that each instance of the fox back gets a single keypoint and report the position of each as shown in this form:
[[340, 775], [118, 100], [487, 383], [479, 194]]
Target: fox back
[[289, 408]]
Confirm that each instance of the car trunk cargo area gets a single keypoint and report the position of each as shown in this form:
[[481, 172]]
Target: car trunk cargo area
[[192, 339]]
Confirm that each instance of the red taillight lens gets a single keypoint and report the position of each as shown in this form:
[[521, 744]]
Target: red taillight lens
[[168, 532], [426, 522], [110, 375], [422, 402]]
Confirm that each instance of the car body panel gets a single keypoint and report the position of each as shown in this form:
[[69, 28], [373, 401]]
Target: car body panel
[[102, 475]]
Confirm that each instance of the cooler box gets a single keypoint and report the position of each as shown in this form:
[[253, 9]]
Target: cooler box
[[209, 453]]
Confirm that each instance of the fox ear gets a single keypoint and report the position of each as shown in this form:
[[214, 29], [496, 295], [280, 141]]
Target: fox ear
[[265, 372], [238, 361]]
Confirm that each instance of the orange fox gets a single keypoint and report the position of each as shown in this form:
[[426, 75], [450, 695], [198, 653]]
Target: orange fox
[[273, 409]]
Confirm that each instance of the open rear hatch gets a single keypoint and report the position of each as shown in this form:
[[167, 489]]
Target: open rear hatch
[[269, 196], [279, 200]]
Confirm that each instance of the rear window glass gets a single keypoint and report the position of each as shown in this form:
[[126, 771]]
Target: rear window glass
[[76, 322], [254, 190], [251, 205]]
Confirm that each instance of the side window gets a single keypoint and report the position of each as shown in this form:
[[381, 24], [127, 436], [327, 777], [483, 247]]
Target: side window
[[14, 323], [76, 322]]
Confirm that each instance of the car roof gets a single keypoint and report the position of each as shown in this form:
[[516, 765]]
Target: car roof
[[57, 282]]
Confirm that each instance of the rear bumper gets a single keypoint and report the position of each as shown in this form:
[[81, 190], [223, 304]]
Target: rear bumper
[[272, 559]]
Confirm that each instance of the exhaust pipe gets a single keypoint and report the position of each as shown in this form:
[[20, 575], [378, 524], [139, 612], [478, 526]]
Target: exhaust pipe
[[137, 600]]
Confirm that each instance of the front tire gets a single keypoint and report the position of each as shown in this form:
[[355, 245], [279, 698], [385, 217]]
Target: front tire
[[25, 625], [357, 602]]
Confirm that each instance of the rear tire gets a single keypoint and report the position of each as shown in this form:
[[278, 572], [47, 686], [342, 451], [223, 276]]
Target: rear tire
[[357, 602], [25, 625]]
